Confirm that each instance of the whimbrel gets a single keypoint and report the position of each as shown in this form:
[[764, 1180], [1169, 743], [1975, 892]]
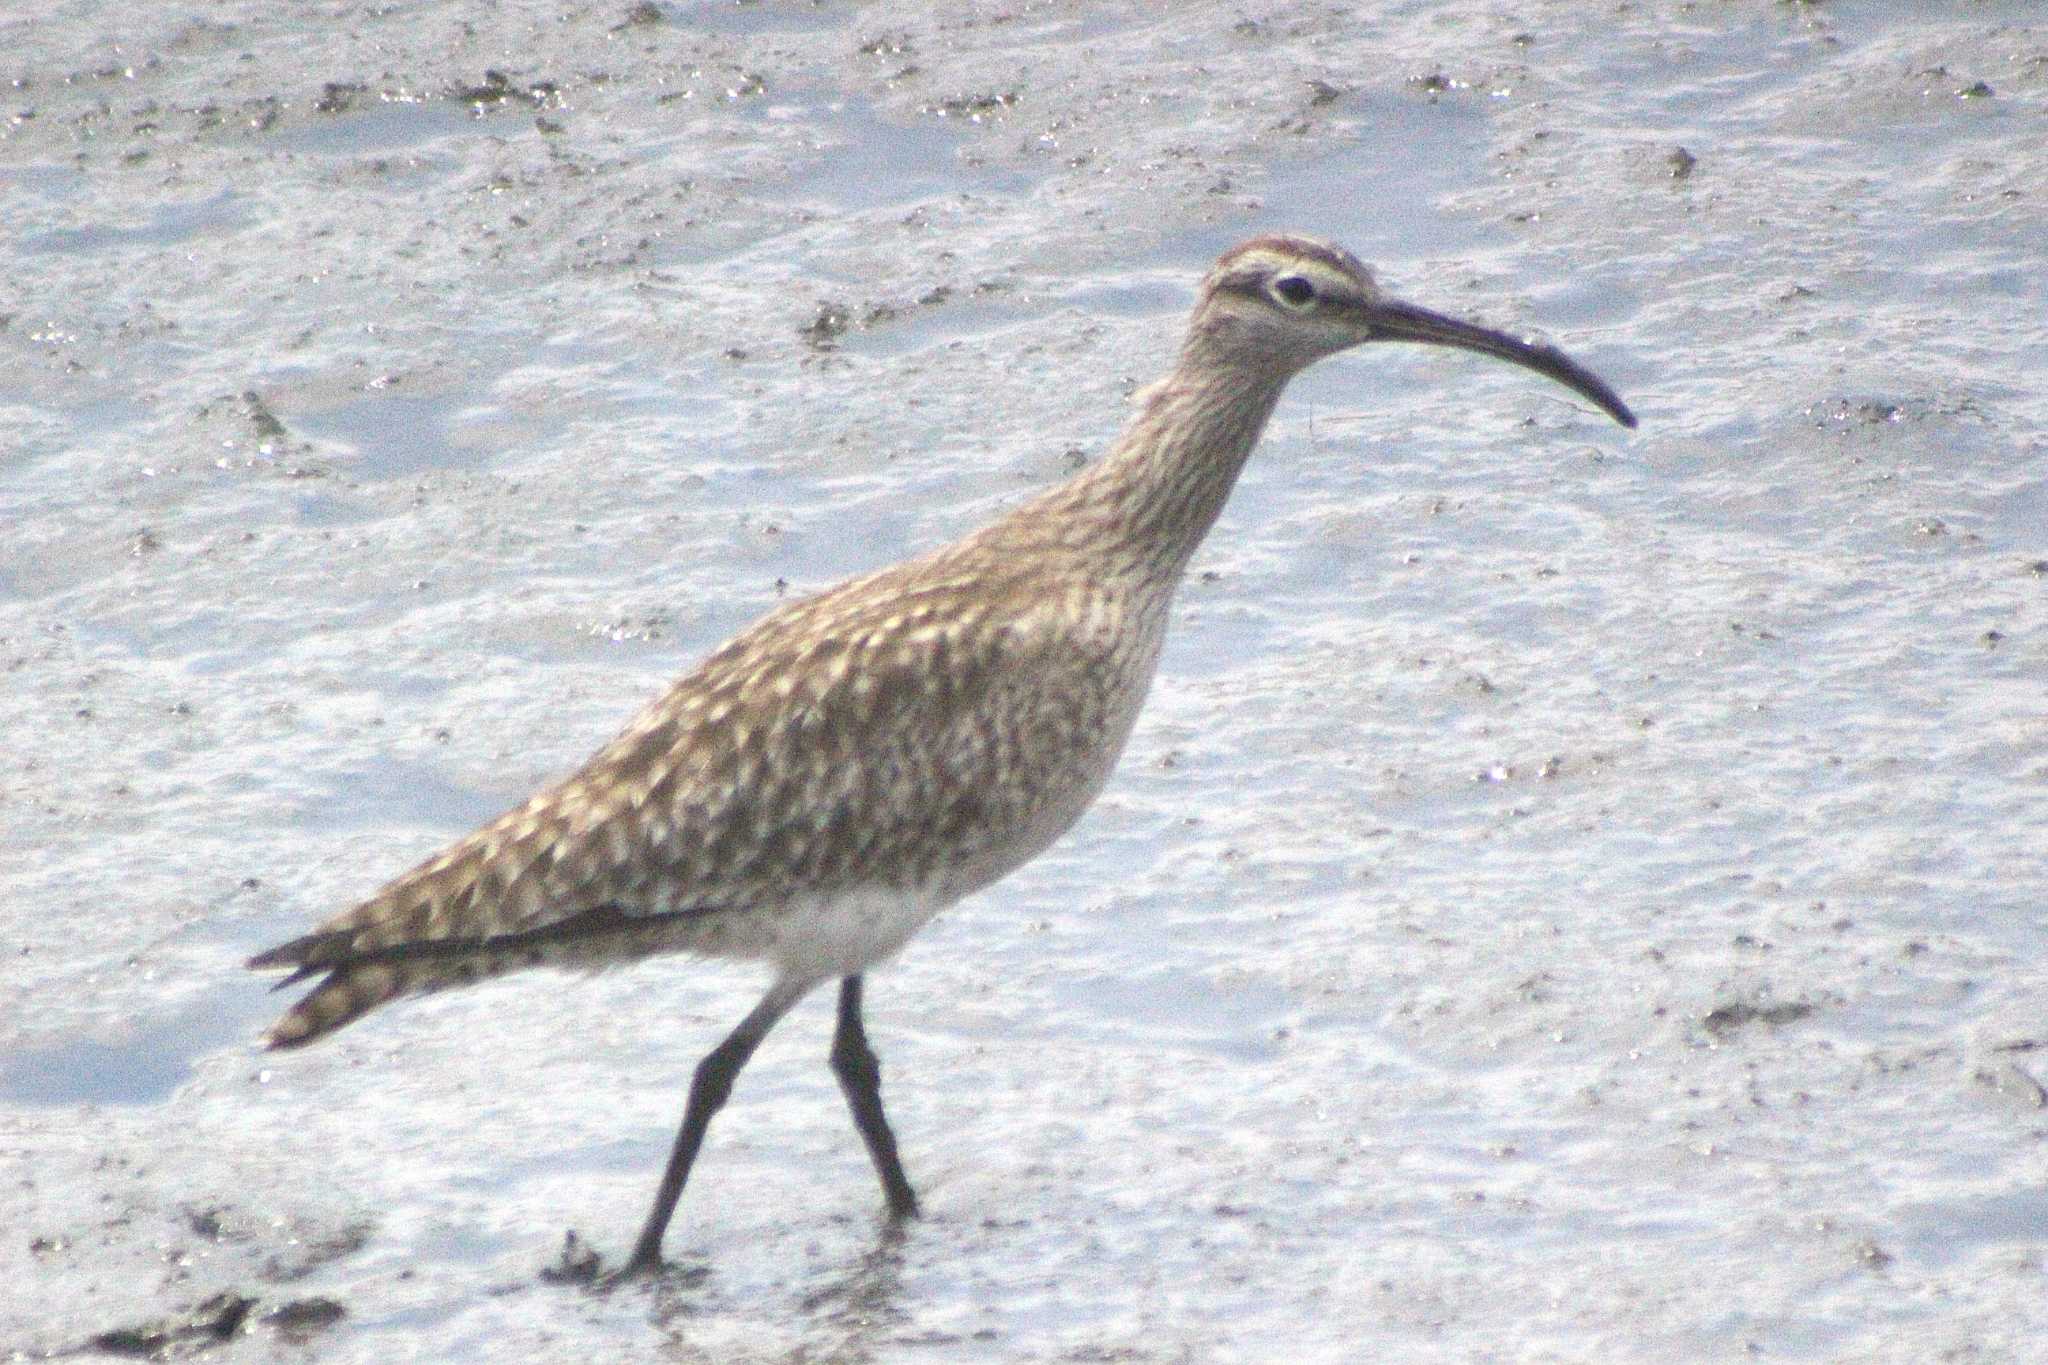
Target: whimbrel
[[814, 792]]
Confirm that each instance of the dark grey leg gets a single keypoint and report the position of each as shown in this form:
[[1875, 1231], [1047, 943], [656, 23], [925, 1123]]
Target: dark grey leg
[[708, 1091], [860, 1076]]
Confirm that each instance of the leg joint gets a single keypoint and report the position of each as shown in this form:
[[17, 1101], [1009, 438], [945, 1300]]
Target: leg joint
[[711, 1086], [854, 1060]]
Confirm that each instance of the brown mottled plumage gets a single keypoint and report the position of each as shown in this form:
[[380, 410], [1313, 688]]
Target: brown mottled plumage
[[882, 734], [812, 793]]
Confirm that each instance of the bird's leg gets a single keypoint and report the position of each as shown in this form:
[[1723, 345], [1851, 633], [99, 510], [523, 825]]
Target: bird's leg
[[860, 1076], [708, 1091]]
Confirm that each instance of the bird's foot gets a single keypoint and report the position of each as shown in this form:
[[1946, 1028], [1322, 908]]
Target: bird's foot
[[646, 1266], [632, 1272], [581, 1264]]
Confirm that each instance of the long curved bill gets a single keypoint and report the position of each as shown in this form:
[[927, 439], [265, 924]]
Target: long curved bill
[[1393, 320]]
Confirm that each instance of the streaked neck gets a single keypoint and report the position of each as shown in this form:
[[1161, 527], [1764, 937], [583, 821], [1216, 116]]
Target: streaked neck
[[1147, 503]]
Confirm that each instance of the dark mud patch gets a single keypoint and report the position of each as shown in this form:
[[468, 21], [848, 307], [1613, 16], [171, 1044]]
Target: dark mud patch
[[207, 1323], [1726, 1019], [211, 1322]]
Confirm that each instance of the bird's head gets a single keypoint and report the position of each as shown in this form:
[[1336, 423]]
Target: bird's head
[[1285, 302]]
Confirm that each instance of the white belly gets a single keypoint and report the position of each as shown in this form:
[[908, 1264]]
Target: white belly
[[839, 935]]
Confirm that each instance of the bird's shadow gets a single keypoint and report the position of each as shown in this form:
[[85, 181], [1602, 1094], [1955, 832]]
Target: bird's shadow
[[865, 1297], [857, 1305]]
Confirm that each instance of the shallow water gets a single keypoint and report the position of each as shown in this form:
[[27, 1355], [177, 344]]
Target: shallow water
[[1575, 894]]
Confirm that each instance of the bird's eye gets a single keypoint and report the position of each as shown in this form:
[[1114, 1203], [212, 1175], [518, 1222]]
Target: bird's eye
[[1294, 291]]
